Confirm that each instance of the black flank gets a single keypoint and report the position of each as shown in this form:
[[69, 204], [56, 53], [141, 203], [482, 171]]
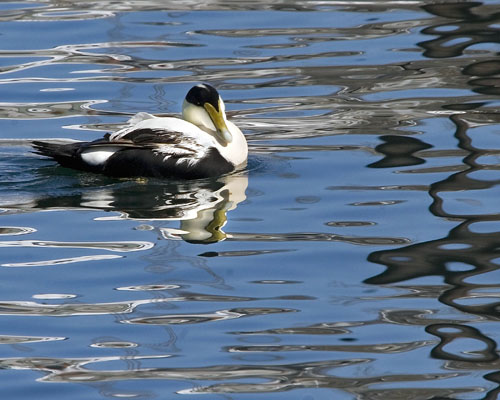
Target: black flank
[[141, 162], [135, 158], [213, 164]]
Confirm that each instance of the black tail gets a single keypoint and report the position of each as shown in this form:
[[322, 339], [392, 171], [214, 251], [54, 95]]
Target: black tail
[[64, 154]]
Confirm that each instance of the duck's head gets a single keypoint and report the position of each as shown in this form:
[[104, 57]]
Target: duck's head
[[204, 107]]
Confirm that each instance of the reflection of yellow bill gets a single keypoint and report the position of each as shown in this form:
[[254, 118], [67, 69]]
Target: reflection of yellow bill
[[217, 117]]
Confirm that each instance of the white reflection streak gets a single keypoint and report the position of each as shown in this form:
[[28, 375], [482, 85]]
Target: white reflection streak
[[125, 246], [72, 15], [13, 339], [14, 230], [75, 54], [364, 3], [29, 65], [60, 261], [220, 315], [34, 309]]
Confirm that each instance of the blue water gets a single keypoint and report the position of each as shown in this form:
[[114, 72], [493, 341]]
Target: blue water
[[355, 258]]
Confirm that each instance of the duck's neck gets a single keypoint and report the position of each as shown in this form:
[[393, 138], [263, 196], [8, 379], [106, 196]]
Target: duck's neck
[[197, 116], [235, 152]]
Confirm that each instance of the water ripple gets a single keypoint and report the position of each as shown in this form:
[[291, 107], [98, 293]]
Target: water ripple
[[220, 315], [317, 237], [383, 348], [124, 246], [9, 339], [277, 378], [60, 261], [373, 120], [29, 308], [14, 230]]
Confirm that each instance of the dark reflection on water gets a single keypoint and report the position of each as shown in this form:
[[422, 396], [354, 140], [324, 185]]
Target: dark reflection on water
[[398, 151], [449, 332], [468, 29], [464, 253], [466, 24]]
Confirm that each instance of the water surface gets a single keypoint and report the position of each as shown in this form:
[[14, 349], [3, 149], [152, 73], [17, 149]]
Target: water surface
[[355, 258]]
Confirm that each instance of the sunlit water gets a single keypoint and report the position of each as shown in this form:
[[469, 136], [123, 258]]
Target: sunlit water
[[356, 258]]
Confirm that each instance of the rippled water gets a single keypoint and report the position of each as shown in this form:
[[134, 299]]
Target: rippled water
[[356, 258]]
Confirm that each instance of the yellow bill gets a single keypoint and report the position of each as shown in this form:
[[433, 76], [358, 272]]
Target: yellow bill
[[217, 117]]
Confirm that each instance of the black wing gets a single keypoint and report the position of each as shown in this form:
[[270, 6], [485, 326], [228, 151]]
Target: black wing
[[143, 152], [148, 136]]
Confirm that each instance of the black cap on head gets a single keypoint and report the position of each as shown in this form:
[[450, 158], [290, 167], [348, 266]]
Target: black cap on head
[[203, 93]]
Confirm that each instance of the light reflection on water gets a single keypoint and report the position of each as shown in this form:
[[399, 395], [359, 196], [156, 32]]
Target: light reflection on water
[[364, 233]]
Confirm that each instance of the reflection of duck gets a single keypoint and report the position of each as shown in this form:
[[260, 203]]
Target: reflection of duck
[[203, 223], [200, 145], [200, 205]]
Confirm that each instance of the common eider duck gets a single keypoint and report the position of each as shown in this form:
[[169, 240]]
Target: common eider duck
[[202, 144]]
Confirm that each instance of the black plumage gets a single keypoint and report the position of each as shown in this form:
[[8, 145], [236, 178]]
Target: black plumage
[[138, 154]]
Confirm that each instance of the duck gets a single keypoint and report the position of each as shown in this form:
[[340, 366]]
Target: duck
[[201, 144]]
